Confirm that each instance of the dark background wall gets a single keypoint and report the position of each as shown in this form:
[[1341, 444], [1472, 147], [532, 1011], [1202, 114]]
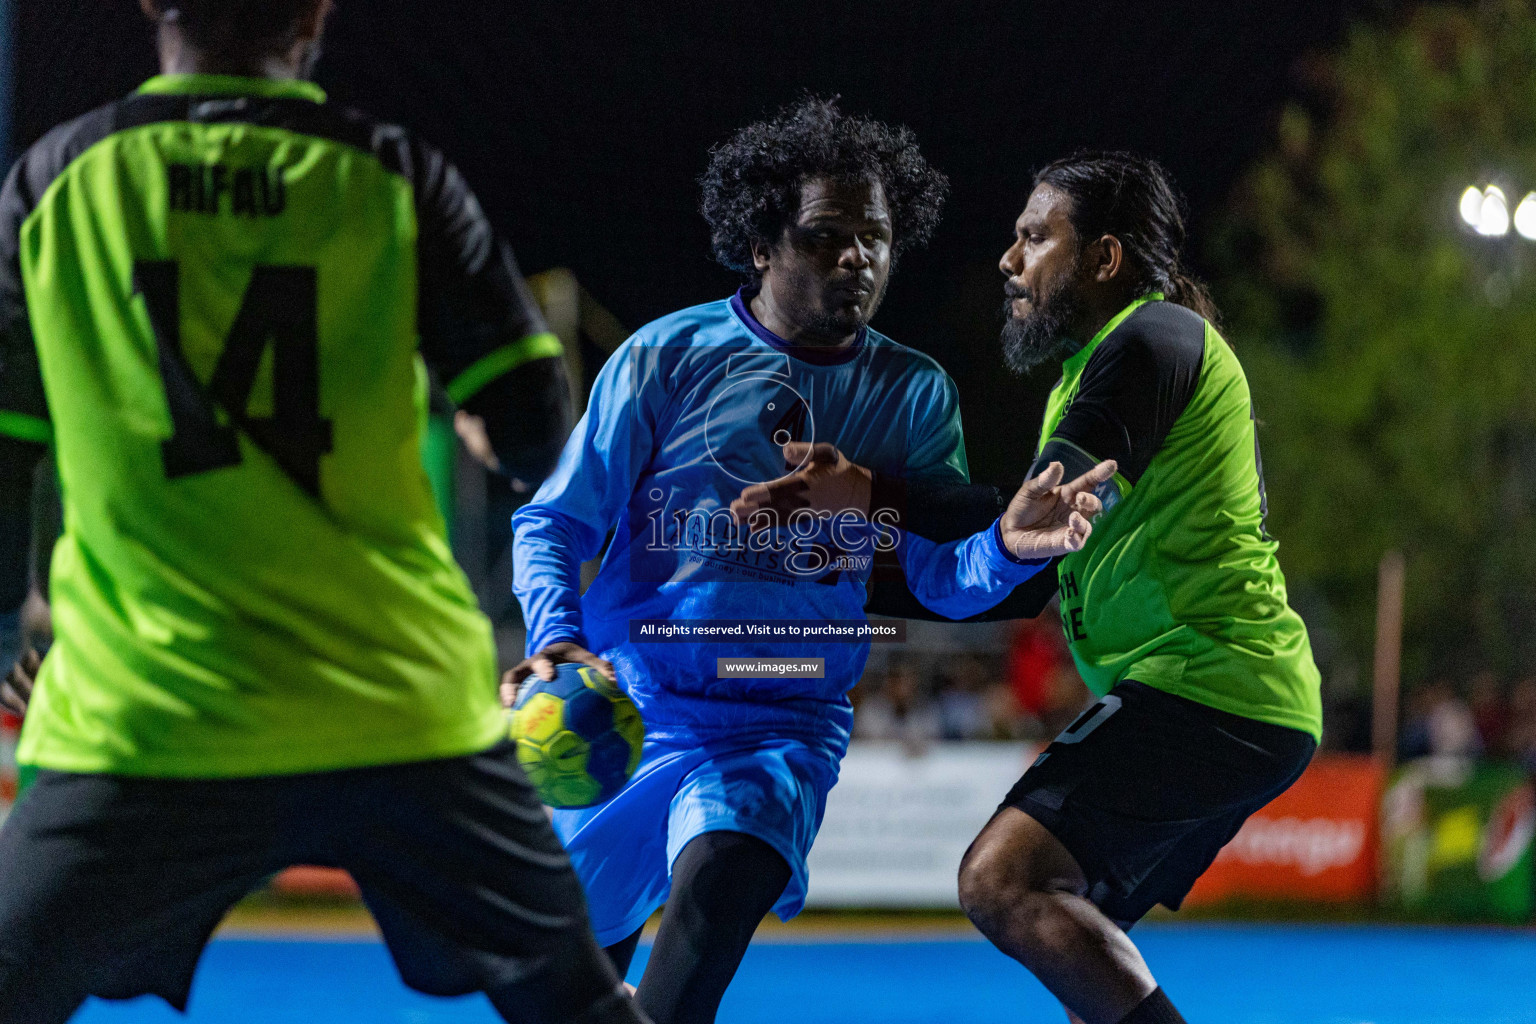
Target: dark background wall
[[583, 125]]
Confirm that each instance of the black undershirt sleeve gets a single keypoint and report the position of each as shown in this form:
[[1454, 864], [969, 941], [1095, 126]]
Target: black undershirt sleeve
[[938, 510], [481, 330], [942, 512], [18, 460], [23, 406], [472, 297], [527, 418], [24, 422]]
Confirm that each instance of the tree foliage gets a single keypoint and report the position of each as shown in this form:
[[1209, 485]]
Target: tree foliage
[[1391, 350]]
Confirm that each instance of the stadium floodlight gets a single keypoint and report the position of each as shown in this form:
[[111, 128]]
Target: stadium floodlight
[[1525, 217], [1472, 205], [1493, 216]]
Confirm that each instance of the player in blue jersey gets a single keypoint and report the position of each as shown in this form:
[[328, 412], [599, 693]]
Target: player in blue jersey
[[812, 207]]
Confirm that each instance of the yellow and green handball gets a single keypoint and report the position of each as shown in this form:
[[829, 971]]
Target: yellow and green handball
[[578, 737]]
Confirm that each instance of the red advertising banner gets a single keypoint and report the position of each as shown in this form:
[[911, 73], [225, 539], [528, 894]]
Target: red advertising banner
[[1316, 843], [306, 880], [10, 727]]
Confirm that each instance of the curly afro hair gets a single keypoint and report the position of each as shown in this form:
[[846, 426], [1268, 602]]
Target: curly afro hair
[[752, 185]]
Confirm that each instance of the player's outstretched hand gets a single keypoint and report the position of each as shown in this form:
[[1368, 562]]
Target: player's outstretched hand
[[543, 665], [1048, 518], [826, 482], [16, 687]]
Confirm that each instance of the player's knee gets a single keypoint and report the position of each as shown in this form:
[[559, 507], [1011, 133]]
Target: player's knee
[[1001, 895], [990, 885]]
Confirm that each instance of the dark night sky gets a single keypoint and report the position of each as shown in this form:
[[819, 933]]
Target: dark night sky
[[583, 125]]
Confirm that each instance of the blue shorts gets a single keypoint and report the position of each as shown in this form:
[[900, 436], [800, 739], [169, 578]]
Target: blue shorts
[[774, 789]]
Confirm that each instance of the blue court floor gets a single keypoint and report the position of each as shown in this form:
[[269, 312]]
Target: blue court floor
[[1217, 974]]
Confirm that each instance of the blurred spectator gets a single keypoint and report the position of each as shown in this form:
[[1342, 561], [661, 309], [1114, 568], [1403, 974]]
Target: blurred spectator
[[1413, 740], [1439, 722], [1520, 734], [1005, 719], [1041, 676], [962, 713], [1347, 725], [1035, 654], [972, 694], [1490, 711], [894, 710]]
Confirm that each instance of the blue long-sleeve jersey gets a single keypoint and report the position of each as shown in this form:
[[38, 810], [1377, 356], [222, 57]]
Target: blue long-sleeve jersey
[[685, 414]]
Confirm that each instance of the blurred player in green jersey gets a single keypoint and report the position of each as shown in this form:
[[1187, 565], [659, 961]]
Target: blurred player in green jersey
[[1175, 606], [219, 298]]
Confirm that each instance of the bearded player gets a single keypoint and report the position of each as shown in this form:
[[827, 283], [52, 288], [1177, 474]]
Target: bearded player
[[1175, 607], [812, 207], [218, 300]]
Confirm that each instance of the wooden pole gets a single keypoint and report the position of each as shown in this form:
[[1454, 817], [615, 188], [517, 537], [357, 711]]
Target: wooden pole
[[1387, 677]]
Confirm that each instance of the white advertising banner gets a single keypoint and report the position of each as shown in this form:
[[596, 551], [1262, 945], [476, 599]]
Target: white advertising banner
[[898, 823]]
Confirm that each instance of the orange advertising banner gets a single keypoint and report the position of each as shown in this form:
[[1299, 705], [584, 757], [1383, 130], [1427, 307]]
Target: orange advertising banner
[[1317, 842], [307, 880]]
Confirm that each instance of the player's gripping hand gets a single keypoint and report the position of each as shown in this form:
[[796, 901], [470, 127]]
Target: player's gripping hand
[[543, 665], [826, 482], [16, 687], [1048, 518]]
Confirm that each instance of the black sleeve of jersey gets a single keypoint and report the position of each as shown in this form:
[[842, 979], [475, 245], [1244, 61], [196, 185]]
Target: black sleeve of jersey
[[1135, 386], [18, 461], [941, 512], [24, 421], [21, 383], [528, 443], [481, 329], [472, 297]]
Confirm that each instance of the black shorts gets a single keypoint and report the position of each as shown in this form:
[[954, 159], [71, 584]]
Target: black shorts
[[111, 886], [1145, 788]]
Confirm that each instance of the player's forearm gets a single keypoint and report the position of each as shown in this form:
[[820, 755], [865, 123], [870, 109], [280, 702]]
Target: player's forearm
[[547, 552], [963, 578]]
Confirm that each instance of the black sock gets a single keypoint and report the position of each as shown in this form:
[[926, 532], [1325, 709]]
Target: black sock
[[1155, 1009]]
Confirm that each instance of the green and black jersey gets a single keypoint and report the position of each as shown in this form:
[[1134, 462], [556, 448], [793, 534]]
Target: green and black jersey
[[218, 299], [1178, 586]]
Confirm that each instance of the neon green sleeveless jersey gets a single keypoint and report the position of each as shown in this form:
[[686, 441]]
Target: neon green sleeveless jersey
[[229, 286], [1178, 586]]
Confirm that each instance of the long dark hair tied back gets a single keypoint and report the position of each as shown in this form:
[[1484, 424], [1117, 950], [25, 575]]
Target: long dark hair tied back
[[1132, 198]]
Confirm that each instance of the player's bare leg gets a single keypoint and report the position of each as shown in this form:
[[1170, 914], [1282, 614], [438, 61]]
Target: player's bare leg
[[1027, 894]]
